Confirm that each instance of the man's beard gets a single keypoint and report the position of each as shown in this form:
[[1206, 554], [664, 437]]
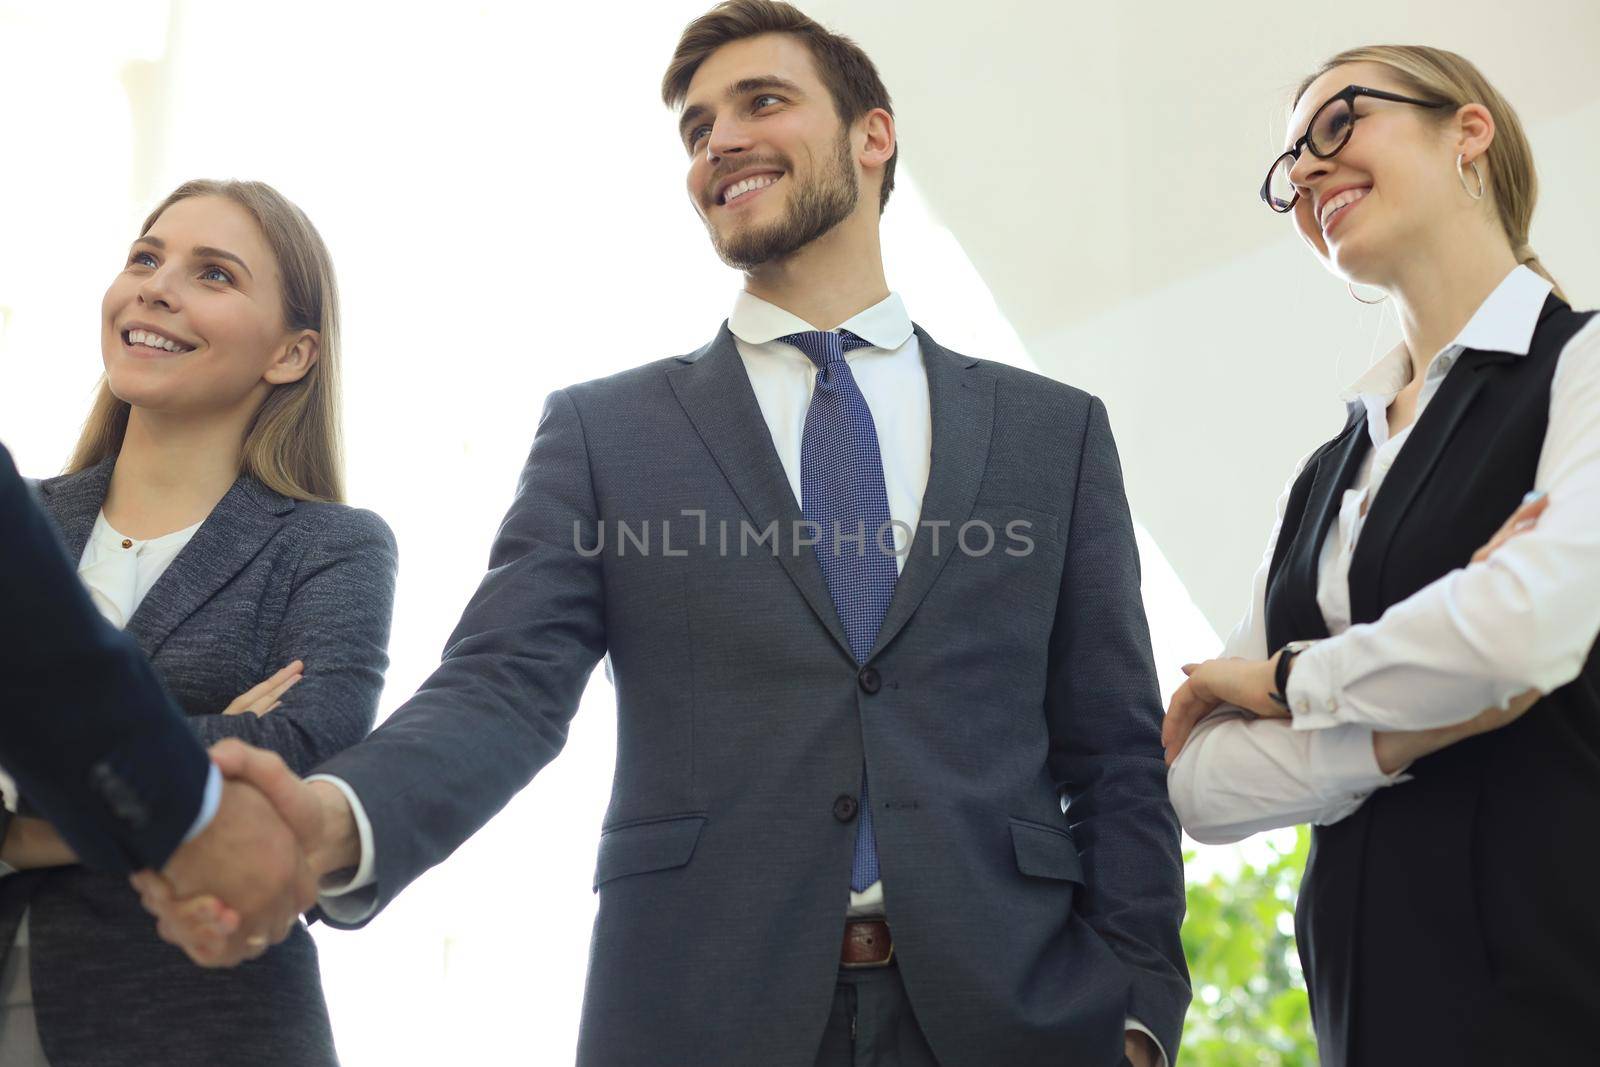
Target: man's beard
[[814, 208]]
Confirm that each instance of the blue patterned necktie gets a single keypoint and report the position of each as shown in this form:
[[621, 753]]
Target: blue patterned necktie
[[842, 491]]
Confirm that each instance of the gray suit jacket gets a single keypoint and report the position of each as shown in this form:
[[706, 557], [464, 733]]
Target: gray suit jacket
[[264, 581], [1000, 686]]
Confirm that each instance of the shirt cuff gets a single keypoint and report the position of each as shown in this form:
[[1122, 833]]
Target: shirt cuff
[[210, 801], [354, 900], [1313, 704], [1344, 764], [1135, 1024]]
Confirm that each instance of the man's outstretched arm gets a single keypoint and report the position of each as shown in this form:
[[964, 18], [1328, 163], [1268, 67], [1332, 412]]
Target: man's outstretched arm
[[493, 713], [88, 733]]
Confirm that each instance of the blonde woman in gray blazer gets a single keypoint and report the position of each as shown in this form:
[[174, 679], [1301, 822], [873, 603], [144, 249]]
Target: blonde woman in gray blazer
[[203, 506]]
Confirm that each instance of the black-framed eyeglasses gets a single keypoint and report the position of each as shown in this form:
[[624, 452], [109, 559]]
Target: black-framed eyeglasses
[[1328, 132]]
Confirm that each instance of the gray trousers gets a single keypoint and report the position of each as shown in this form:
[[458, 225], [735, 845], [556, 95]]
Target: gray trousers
[[872, 1024]]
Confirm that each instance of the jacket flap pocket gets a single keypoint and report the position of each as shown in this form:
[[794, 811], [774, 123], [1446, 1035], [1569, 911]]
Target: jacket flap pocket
[[647, 846], [1046, 853]]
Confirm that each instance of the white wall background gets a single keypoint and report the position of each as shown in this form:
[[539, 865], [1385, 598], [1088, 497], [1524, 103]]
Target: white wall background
[[1100, 163]]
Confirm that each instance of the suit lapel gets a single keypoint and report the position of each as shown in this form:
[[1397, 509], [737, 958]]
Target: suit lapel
[[1336, 469], [962, 402], [716, 394], [235, 532], [1430, 436], [74, 501]]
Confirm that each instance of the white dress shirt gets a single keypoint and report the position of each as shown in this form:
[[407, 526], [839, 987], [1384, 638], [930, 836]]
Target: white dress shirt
[[118, 571], [1524, 619], [893, 382]]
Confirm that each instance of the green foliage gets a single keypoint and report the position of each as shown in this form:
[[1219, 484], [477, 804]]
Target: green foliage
[[1250, 1005]]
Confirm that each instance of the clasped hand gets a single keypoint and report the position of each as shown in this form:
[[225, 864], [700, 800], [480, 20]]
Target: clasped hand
[[239, 886]]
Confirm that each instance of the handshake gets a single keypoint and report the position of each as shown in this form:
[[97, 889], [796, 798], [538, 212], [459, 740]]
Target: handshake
[[240, 885]]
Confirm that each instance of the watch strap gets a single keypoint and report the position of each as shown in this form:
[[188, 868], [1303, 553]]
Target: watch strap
[[1280, 674]]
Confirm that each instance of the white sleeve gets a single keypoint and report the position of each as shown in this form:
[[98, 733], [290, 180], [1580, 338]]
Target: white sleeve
[[210, 801], [8, 797], [1134, 1024], [1525, 618], [354, 900], [1238, 774]]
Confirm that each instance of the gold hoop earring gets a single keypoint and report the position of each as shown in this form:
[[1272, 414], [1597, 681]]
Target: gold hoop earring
[[1351, 286], [1462, 174]]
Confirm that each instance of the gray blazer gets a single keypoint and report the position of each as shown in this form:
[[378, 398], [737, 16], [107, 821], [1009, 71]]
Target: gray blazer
[[264, 581], [1000, 686]]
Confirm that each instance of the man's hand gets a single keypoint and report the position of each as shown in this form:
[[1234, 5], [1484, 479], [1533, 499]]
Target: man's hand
[[248, 856], [1139, 1049], [215, 929]]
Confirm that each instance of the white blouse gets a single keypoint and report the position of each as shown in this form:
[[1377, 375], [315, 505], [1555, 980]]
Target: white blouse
[[1524, 619], [117, 571]]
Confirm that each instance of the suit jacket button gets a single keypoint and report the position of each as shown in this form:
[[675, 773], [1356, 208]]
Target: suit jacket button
[[869, 680], [845, 807]]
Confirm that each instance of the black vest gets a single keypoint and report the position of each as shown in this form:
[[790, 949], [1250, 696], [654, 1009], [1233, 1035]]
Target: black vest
[[1455, 918]]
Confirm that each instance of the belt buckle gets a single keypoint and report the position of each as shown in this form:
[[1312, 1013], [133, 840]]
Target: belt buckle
[[851, 965]]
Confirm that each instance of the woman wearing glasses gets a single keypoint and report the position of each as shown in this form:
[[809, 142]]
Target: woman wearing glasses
[[1415, 682]]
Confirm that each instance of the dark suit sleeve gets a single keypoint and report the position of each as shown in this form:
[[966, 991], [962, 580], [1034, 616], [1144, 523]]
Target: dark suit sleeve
[[497, 708], [86, 729], [337, 622], [1104, 710]]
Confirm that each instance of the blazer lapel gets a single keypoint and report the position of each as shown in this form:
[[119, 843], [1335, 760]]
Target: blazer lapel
[[237, 529], [715, 392], [962, 402], [1336, 469], [1431, 435], [74, 501]]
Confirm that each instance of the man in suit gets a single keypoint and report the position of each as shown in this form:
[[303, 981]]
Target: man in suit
[[96, 746], [872, 612]]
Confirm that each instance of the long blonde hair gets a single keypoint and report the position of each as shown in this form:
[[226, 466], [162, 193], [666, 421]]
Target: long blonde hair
[[293, 445], [1436, 74]]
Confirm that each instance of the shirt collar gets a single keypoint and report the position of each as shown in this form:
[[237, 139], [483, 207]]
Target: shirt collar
[[111, 538], [756, 321], [1504, 322]]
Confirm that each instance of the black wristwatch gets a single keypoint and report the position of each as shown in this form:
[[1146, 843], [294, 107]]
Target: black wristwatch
[[1280, 676]]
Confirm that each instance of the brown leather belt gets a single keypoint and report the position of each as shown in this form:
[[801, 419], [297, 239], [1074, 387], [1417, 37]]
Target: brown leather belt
[[866, 944]]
